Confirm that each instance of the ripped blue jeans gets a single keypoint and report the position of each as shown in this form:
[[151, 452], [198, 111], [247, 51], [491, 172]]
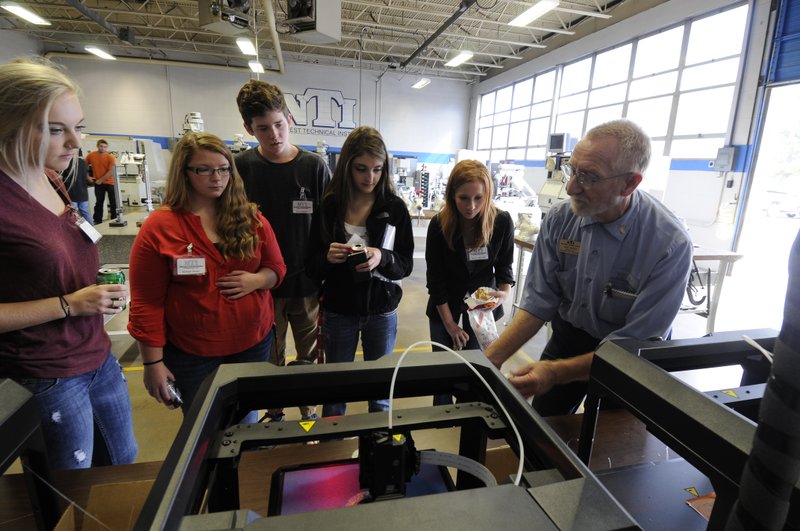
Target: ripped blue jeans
[[86, 419]]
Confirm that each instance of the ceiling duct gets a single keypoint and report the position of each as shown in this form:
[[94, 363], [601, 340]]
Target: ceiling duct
[[462, 8], [124, 34], [315, 21], [229, 17]]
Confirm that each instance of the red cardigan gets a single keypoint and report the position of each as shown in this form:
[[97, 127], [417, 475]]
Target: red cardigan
[[189, 311]]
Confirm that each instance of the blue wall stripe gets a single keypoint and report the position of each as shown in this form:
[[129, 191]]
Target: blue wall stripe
[[743, 155]]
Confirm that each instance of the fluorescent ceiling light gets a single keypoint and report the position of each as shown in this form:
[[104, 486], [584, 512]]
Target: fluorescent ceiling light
[[537, 10], [100, 53], [422, 83], [246, 46], [256, 67], [459, 59], [24, 13]]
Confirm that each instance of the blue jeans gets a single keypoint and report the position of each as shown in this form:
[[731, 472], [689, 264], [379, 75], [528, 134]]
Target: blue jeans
[[86, 419], [439, 334], [190, 371], [378, 334], [83, 210]]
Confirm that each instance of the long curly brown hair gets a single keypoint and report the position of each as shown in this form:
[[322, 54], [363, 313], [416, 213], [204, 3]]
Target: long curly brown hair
[[237, 218], [464, 172]]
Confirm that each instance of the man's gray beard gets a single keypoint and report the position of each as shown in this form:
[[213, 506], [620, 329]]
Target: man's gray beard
[[579, 209]]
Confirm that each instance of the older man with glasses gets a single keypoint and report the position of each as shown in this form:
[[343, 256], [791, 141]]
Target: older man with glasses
[[611, 263]]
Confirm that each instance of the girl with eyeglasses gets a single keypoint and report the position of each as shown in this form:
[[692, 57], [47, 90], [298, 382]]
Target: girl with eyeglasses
[[201, 269]]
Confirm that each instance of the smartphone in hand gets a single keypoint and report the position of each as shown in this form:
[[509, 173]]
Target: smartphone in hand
[[354, 259]]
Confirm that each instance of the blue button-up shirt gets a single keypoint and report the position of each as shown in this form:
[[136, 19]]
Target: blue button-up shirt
[[620, 279]]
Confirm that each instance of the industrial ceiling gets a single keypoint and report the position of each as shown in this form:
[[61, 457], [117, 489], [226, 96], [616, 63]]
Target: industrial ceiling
[[413, 36]]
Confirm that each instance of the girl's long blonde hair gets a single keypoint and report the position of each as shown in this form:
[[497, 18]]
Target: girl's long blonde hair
[[28, 89]]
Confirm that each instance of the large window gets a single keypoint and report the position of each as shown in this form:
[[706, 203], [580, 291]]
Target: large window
[[679, 84]]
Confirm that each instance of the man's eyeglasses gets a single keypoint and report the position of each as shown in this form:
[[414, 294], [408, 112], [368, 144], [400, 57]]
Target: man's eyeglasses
[[587, 179], [205, 171]]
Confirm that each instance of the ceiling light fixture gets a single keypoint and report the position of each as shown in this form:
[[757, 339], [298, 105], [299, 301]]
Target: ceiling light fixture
[[100, 53], [246, 46], [535, 11], [459, 59], [421, 83], [256, 67], [24, 13]]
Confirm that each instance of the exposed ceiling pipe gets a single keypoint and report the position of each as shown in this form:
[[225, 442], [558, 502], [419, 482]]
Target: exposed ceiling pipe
[[273, 33], [139, 60], [125, 34], [462, 8]]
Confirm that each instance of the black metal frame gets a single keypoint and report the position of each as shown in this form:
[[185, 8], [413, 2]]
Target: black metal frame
[[21, 436], [710, 436], [203, 460]]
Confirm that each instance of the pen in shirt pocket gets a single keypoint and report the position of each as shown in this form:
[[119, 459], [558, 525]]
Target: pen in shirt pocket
[[617, 293]]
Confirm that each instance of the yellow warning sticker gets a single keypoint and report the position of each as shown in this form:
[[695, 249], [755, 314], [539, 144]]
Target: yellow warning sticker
[[307, 424], [731, 392], [398, 437], [692, 491]]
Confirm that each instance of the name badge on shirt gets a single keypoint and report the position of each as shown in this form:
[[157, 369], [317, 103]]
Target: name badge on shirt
[[481, 253], [569, 246], [88, 229], [302, 207], [189, 263]]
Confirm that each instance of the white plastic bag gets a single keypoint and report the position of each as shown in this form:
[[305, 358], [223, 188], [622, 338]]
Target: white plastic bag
[[481, 318]]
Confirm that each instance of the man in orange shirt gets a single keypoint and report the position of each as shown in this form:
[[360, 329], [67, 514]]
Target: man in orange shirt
[[102, 163]]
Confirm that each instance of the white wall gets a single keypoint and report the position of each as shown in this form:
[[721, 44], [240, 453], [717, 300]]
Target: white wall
[[130, 98], [122, 98], [435, 118], [14, 44]]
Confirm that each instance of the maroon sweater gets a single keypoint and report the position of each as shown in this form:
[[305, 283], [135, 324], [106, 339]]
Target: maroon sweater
[[43, 255]]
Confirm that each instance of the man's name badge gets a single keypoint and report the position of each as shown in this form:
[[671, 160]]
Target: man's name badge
[[189, 265], [88, 229], [481, 253], [569, 246], [302, 207]]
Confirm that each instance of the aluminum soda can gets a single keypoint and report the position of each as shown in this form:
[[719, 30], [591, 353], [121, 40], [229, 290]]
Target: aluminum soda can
[[110, 275]]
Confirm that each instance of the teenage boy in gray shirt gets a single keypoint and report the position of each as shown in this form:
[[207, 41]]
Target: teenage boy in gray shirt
[[287, 183]]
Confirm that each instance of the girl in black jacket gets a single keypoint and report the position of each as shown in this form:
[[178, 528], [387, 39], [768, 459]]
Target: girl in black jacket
[[361, 246], [470, 244]]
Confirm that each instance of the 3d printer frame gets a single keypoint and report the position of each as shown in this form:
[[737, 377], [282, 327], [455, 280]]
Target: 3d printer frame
[[21, 436], [557, 492], [712, 437]]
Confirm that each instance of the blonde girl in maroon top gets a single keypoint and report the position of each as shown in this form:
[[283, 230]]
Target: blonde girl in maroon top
[[51, 312]]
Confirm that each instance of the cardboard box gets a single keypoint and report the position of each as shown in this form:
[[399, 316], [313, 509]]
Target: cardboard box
[[503, 462], [116, 505]]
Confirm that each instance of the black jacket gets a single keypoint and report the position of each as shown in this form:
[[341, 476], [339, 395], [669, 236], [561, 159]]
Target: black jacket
[[340, 294], [450, 275]]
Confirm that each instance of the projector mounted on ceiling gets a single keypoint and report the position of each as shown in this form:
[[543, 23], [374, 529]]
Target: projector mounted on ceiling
[[228, 17], [315, 21]]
